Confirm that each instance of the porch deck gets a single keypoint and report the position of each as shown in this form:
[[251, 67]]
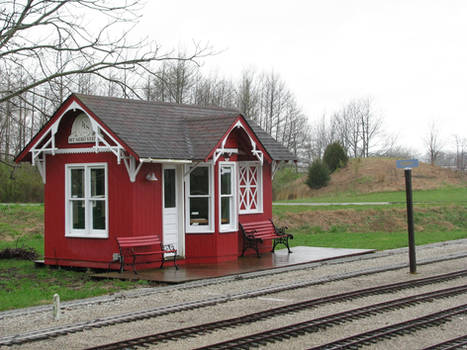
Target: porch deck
[[185, 273]]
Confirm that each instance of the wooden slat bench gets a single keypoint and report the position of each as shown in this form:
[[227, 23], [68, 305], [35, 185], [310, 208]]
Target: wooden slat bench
[[131, 246], [255, 233]]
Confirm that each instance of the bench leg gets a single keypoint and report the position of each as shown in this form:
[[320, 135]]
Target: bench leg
[[175, 264], [284, 241], [243, 250], [275, 242], [245, 247], [287, 245], [134, 264], [252, 246], [257, 249], [122, 263]]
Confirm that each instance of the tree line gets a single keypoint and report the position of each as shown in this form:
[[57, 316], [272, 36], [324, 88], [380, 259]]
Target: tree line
[[48, 50], [262, 96]]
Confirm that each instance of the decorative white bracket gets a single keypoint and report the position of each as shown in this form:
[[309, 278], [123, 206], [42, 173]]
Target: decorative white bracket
[[220, 151], [99, 139], [40, 164], [275, 166], [131, 167]]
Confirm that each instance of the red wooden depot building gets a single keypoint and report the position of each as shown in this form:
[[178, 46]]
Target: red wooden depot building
[[117, 167]]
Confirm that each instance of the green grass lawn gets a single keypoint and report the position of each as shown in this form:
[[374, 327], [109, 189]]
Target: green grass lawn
[[23, 285], [442, 195]]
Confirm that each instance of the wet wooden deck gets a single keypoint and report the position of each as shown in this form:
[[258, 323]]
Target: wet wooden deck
[[300, 255]]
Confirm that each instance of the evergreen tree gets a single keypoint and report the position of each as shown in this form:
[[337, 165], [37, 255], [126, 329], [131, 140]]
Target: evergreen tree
[[318, 175], [335, 156]]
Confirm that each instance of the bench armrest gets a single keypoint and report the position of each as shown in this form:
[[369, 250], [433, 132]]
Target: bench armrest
[[168, 247]]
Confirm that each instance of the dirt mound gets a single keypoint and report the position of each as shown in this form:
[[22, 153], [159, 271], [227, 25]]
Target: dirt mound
[[375, 175]]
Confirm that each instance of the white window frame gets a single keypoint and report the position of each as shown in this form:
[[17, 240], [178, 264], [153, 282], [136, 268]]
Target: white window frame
[[233, 225], [87, 232], [259, 189], [197, 228]]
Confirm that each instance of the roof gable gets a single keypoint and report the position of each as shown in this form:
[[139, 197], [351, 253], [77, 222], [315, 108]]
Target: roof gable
[[163, 130]]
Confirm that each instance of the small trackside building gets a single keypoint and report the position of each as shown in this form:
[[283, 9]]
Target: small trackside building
[[116, 167]]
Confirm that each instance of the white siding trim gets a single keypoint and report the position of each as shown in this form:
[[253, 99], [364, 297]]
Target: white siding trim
[[194, 228], [234, 209], [88, 232]]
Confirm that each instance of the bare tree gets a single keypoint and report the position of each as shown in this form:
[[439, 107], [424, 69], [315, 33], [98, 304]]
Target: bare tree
[[461, 152], [356, 127], [36, 36], [174, 81], [247, 95], [371, 125], [50, 48], [433, 143]]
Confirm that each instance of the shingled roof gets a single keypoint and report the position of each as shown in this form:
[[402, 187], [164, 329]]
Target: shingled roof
[[175, 131]]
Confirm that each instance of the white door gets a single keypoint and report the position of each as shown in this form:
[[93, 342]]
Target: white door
[[170, 200]]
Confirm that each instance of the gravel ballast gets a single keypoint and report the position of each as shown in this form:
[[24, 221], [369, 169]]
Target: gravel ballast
[[39, 320]]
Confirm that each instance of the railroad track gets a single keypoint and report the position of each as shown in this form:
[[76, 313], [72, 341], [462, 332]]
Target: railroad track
[[150, 313], [456, 343], [285, 332], [356, 341], [77, 304], [380, 334]]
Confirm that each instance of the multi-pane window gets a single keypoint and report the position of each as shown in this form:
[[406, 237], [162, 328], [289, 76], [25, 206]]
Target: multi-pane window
[[250, 188], [86, 200], [228, 207], [169, 188], [199, 199]]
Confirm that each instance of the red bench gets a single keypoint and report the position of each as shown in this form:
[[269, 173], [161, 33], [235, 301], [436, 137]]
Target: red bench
[[255, 233], [131, 247]]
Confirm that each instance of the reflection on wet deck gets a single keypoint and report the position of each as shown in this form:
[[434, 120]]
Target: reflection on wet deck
[[280, 258]]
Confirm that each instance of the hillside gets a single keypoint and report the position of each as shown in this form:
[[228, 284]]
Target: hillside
[[374, 175]]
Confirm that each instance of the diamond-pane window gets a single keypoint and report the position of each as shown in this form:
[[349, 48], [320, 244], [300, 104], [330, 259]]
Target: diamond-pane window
[[250, 199]]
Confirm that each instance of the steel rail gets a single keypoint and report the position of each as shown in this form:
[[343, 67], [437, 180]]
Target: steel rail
[[133, 316], [163, 310], [254, 317], [74, 304], [314, 325], [455, 343], [376, 335]]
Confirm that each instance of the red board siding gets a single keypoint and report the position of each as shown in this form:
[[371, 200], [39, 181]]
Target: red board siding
[[136, 208], [265, 215], [57, 246]]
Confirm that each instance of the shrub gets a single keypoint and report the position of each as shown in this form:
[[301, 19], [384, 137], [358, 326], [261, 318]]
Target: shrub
[[318, 175], [335, 156], [19, 253]]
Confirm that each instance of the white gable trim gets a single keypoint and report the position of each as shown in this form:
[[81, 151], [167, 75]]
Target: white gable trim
[[38, 154], [221, 150]]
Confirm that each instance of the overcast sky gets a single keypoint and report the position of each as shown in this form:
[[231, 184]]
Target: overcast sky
[[410, 57]]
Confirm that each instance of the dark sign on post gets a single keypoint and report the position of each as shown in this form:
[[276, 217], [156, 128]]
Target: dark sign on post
[[407, 165]]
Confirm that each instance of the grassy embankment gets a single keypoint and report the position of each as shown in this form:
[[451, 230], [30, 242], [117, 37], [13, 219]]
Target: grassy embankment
[[439, 215], [440, 209]]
